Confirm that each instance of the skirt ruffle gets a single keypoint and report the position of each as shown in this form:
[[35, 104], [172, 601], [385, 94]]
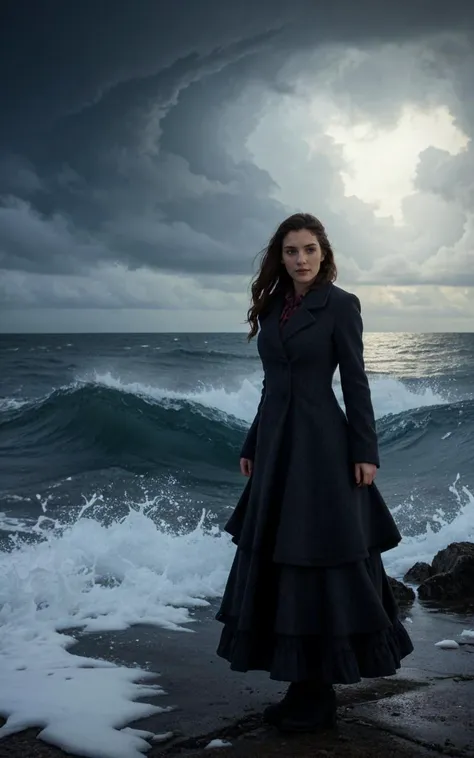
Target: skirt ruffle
[[337, 624]]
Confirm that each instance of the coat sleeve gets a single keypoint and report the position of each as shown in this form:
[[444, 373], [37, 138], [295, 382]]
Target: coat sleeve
[[355, 385], [248, 449]]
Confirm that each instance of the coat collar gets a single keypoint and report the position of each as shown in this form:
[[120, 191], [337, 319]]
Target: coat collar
[[302, 317], [317, 297]]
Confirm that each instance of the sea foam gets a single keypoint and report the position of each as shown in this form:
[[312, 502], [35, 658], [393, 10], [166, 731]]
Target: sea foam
[[389, 395], [108, 576], [96, 578]]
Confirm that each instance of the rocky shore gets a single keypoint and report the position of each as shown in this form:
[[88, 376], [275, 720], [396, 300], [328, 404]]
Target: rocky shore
[[354, 738], [425, 710], [448, 581], [404, 717]]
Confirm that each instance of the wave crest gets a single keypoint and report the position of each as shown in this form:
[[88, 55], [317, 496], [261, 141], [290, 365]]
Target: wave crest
[[105, 422]]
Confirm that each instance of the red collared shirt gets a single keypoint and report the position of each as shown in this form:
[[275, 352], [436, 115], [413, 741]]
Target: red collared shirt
[[292, 302]]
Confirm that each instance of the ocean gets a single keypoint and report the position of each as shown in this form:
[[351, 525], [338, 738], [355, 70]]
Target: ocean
[[119, 464]]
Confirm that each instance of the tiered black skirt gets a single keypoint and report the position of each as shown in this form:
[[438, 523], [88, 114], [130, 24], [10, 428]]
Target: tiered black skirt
[[336, 625]]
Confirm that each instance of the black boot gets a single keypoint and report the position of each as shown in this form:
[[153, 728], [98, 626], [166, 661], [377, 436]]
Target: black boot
[[273, 713], [311, 707]]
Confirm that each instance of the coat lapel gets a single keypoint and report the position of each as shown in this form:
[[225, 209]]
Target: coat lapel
[[300, 319], [303, 316]]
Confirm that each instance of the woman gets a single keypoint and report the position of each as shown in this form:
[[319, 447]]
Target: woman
[[307, 598]]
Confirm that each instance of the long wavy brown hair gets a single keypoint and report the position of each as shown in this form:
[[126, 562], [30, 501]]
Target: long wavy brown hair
[[273, 278]]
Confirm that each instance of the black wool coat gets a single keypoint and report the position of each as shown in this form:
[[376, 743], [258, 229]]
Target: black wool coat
[[301, 504]]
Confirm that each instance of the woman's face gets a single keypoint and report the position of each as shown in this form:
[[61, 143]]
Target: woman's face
[[302, 256]]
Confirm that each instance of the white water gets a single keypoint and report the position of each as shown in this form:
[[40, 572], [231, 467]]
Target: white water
[[96, 578], [423, 547], [389, 395], [103, 578], [11, 404]]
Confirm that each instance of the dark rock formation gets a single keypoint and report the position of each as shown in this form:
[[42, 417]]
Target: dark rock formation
[[418, 573], [445, 560], [403, 595], [452, 580]]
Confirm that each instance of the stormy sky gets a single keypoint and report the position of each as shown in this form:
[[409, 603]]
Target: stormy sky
[[149, 148]]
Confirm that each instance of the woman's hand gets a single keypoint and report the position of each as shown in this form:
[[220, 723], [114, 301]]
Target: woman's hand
[[365, 473], [246, 466]]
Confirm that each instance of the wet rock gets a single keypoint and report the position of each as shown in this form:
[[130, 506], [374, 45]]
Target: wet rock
[[403, 595], [455, 586], [446, 559], [418, 573]]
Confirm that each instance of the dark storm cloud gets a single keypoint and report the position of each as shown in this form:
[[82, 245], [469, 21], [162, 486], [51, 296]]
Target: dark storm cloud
[[112, 140], [66, 56]]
